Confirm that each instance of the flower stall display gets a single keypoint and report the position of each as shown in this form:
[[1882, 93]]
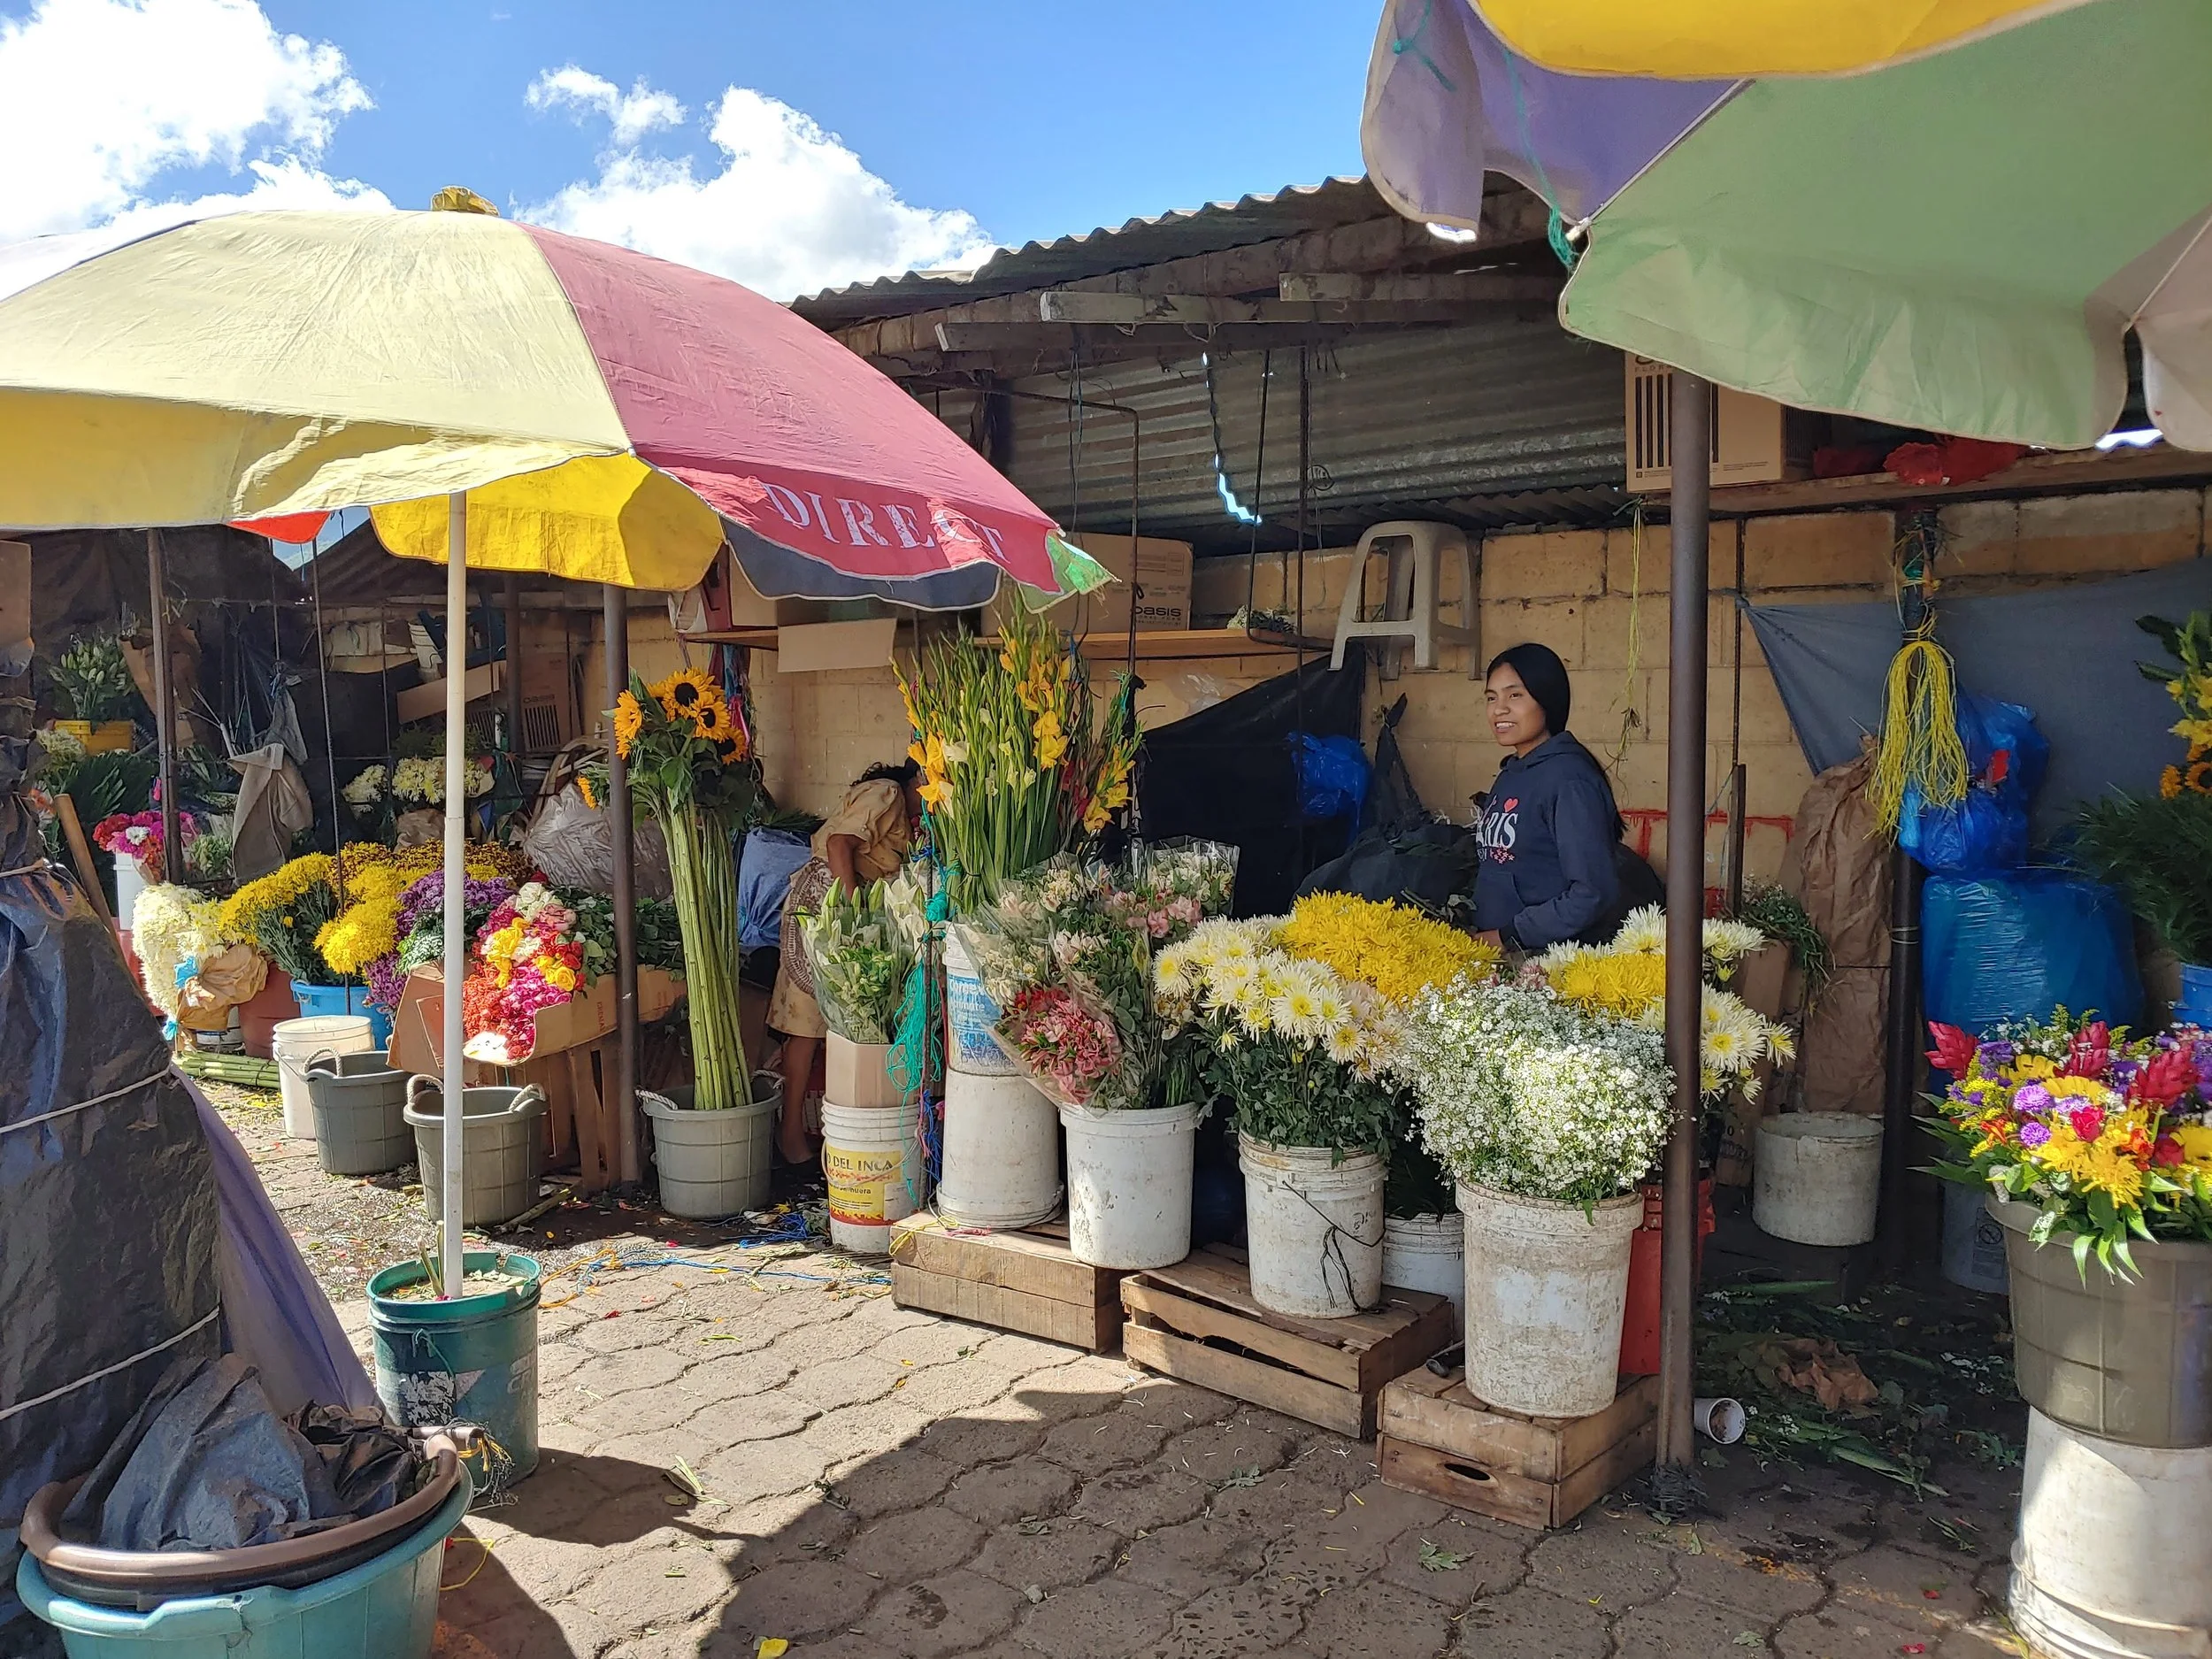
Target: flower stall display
[[1550, 1115], [365, 792], [279, 915], [687, 751], [1018, 761], [192, 972], [539, 948], [93, 682], [421, 779]]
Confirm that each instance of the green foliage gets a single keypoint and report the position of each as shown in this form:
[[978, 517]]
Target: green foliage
[[1782, 917], [660, 940], [2158, 852], [94, 681], [118, 781]]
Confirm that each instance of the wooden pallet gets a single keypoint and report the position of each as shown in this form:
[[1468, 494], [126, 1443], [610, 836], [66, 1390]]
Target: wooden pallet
[[1027, 1281], [1440, 1440], [1197, 1321]]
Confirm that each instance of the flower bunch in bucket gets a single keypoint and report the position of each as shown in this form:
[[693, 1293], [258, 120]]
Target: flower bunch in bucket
[[1018, 761], [1171, 888], [1625, 979], [689, 766], [1521, 1091], [1389, 946], [1308, 1055], [862, 946], [281, 913], [2105, 1136], [137, 836], [418, 924]]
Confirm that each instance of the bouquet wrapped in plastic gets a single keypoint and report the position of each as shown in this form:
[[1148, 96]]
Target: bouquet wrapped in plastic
[[862, 948], [1171, 887]]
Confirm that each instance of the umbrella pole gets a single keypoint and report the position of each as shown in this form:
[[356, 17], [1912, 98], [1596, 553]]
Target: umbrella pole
[[628, 1166], [165, 705], [457, 588], [1689, 512]]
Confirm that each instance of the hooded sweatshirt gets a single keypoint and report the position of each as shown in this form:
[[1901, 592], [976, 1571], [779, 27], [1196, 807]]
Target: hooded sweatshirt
[[1549, 832]]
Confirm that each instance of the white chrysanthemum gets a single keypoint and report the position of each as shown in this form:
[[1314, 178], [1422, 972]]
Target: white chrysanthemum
[[1728, 942], [1346, 1044], [1645, 930]]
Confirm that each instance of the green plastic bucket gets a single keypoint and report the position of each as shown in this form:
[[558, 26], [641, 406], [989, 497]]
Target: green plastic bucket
[[386, 1607], [473, 1359]]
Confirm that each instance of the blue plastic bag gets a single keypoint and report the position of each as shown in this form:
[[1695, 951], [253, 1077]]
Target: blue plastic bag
[[2021, 944], [1333, 774], [2007, 757]]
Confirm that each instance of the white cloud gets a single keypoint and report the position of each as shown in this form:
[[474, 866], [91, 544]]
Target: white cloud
[[99, 99], [634, 114], [790, 210]]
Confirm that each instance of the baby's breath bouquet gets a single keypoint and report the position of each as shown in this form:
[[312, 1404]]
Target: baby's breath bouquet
[[1521, 1091]]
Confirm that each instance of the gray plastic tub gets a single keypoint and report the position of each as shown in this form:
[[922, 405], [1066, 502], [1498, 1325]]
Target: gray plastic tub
[[711, 1165], [2124, 1360], [502, 1150], [360, 1105]]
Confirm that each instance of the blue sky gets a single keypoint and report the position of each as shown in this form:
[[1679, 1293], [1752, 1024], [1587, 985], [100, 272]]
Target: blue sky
[[703, 132]]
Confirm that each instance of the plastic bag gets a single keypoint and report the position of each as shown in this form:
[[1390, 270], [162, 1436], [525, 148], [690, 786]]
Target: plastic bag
[[765, 865], [2007, 757], [574, 845], [2022, 944], [1332, 776], [861, 955]]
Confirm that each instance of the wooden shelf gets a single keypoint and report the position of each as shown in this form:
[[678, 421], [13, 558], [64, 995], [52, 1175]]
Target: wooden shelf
[[2056, 472], [1163, 645]]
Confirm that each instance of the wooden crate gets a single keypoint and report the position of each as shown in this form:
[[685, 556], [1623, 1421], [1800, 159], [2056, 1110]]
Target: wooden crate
[[1027, 1281], [1197, 1320], [1440, 1440]]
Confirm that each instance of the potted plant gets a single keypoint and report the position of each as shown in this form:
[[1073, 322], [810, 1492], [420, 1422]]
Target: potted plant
[[1550, 1117], [95, 682], [2094, 1152], [1307, 1057]]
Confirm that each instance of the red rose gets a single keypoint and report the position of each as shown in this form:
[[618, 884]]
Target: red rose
[[2088, 1121]]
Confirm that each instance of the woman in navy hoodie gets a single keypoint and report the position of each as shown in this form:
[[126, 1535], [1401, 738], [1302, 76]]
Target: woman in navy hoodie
[[1550, 832]]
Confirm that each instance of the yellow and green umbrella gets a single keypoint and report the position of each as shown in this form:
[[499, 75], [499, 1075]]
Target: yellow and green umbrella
[[1959, 236]]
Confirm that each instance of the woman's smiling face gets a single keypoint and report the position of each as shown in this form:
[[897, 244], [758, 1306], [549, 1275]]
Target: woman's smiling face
[[1517, 720]]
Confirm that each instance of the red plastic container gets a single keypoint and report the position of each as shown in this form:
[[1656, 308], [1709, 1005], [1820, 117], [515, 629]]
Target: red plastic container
[[1640, 1329], [270, 1007]]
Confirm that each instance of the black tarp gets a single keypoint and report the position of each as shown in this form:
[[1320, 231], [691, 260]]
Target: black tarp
[[2068, 653], [1226, 774], [108, 1218]]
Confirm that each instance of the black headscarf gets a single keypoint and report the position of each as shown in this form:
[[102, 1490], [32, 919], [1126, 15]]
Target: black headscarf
[[1545, 676]]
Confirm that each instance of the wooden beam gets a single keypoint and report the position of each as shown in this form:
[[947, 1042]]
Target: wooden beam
[[1001, 338], [1509, 218], [2056, 472], [1187, 310], [1466, 288]]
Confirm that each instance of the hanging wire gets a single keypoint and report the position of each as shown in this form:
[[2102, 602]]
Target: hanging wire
[[1259, 480], [1236, 509]]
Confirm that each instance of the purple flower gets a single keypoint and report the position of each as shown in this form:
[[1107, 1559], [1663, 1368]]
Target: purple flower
[[2031, 1097], [2034, 1134], [2122, 1072], [1996, 1055]]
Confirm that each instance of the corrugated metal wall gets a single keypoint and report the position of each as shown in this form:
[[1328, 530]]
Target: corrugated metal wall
[[1398, 420]]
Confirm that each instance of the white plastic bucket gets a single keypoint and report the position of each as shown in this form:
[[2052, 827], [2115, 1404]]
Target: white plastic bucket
[[2113, 1559], [1314, 1228], [1426, 1252], [1129, 1184], [970, 1013], [1002, 1162], [1817, 1177], [129, 883], [872, 1156], [296, 1041], [1547, 1287]]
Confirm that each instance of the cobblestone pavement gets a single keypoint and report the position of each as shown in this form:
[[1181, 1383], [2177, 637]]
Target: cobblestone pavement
[[882, 1483]]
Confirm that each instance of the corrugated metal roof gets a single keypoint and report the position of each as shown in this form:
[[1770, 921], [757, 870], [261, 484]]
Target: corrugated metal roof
[[1179, 235], [1500, 421]]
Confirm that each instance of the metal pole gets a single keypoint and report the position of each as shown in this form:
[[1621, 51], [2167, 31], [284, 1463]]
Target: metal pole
[[456, 944], [165, 707], [1689, 509], [624, 1089], [514, 672]]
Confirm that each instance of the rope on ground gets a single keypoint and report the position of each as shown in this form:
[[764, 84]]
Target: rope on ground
[[747, 1258]]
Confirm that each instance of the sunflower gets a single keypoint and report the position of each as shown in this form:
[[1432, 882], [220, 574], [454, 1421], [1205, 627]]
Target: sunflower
[[583, 787], [682, 692], [2169, 782], [710, 719], [629, 720], [2198, 779]]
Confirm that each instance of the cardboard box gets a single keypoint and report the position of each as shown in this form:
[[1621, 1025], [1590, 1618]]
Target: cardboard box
[[1157, 580], [816, 648]]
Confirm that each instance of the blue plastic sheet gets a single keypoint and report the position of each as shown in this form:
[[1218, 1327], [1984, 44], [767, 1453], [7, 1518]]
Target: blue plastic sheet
[[770, 859], [2021, 944]]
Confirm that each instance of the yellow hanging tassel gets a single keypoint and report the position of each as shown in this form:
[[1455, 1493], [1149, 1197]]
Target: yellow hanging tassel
[[1920, 734]]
